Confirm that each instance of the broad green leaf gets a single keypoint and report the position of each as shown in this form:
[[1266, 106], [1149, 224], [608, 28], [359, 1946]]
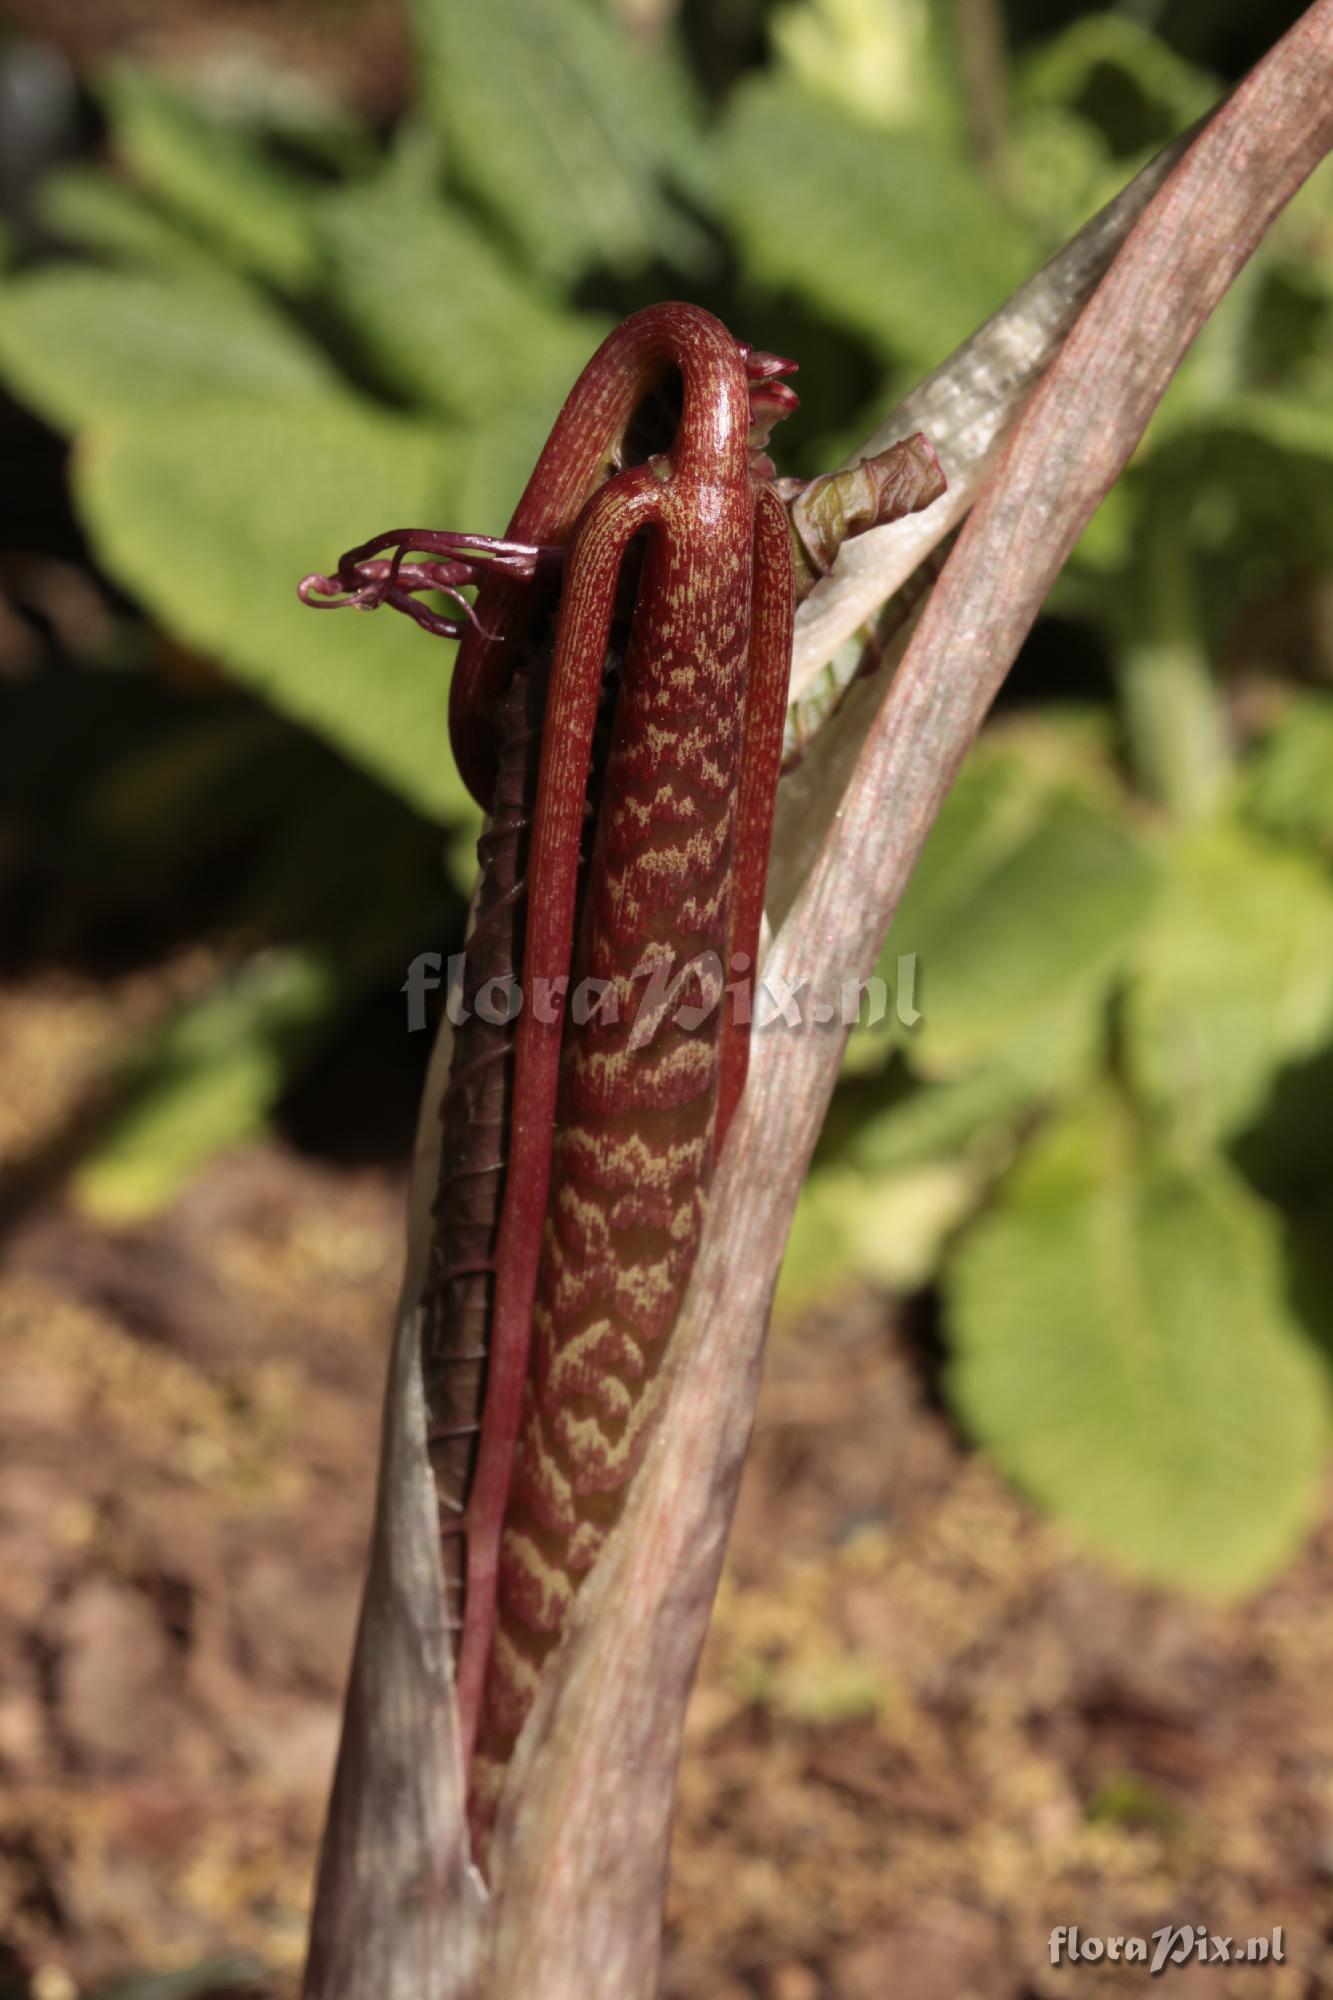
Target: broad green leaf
[[1289, 782], [891, 233], [441, 310], [212, 514], [1026, 900], [1233, 980], [214, 178], [980, 1113], [561, 128], [102, 213], [82, 345], [206, 1081], [942, 1120], [895, 1225], [906, 1176], [1125, 1345]]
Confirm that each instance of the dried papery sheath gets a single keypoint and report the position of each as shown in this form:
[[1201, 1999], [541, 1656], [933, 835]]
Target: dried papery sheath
[[834, 509]]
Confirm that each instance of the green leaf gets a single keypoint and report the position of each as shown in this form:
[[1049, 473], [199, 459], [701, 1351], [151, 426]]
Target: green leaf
[[101, 213], [212, 513], [1026, 901], [979, 1113], [1125, 1346], [443, 313], [1295, 423], [1289, 783], [908, 1174], [886, 1229], [561, 128], [891, 233], [1234, 980], [213, 178], [83, 345], [206, 1081]]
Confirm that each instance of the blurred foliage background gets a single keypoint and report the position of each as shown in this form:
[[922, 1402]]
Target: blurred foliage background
[[263, 297]]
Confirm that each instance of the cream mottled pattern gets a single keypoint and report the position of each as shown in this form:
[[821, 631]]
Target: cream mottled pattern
[[634, 1153]]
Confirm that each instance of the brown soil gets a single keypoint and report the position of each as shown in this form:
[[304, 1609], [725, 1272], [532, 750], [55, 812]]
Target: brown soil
[[927, 1730]]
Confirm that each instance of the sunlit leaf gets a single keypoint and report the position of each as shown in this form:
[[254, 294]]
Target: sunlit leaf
[[442, 311], [213, 177], [82, 344], [504, 451], [980, 1112], [212, 514], [1289, 783], [1126, 1347], [890, 233], [883, 1229], [561, 127], [1233, 979], [1027, 896], [104, 214]]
